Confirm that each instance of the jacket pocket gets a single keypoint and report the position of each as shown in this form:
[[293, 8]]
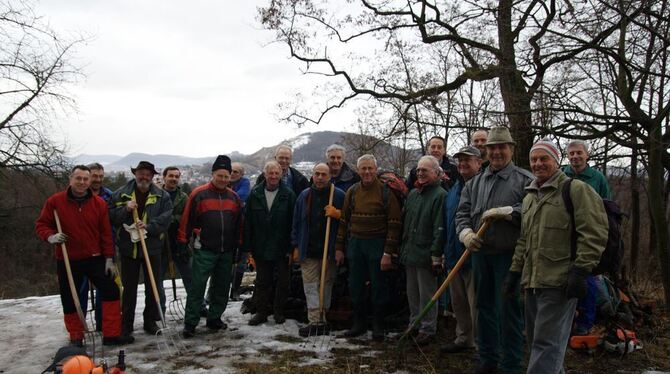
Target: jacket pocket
[[553, 265]]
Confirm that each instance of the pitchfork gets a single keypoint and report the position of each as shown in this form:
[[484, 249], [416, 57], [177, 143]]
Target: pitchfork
[[325, 341], [169, 342], [90, 335], [176, 306]]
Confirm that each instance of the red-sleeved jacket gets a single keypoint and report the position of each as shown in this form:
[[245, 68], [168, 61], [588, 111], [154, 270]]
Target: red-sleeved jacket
[[86, 225]]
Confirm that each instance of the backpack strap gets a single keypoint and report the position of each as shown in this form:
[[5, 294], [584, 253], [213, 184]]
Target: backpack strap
[[567, 200]]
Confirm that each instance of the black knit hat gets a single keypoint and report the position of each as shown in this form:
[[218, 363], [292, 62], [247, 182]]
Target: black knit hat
[[222, 162], [146, 165]]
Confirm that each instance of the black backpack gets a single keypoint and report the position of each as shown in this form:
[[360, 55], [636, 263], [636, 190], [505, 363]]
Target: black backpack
[[611, 258]]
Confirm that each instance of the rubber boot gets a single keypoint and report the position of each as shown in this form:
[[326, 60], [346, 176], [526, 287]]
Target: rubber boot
[[378, 327], [357, 329]]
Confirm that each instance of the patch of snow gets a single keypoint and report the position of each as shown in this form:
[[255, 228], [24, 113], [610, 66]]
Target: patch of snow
[[33, 331], [299, 141]]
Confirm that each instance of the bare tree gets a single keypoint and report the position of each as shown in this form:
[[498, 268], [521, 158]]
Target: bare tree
[[35, 68]]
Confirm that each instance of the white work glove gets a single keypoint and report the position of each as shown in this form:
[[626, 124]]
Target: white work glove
[[196, 242], [470, 239], [57, 238], [134, 232], [110, 268], [503, 212]]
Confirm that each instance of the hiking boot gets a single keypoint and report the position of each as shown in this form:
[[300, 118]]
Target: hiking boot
[[314, 329], [248, 307], [279, 318], [118, 340], [378, 329], [151, 328], [357, 329], [424, 339], [484, 369], [257, 319], [216, 324], [77, 343], [455, 348], [188, 331]]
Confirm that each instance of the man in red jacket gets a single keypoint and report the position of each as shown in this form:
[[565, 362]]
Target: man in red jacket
[[86, 229]]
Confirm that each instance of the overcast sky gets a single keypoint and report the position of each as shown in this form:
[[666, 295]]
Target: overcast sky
[[195, 78]]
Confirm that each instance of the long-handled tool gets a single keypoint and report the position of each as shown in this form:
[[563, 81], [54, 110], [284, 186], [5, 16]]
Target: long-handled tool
[[169, 337], [176, 306], [322, 281], [445, 284], [90, 335]]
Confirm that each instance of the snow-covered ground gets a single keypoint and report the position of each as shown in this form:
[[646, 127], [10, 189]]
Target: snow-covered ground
[[33, 330]]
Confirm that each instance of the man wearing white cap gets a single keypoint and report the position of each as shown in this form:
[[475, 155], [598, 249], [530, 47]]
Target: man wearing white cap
[[544, 265]]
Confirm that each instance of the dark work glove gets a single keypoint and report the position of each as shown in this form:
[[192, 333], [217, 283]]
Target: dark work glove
[[510, 286], [577, 286], [182, 253]]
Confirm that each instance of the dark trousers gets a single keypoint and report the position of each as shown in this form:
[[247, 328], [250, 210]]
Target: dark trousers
[[130, 274], [94, 269], [83, 300], [364, 256], [182, 265], [264, 282]]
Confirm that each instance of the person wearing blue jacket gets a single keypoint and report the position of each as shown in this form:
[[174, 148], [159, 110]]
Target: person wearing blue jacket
[[308, 238], [462, 287]]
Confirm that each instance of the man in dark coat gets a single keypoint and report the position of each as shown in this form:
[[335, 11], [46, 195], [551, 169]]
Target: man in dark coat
[[289, 176], [437, 147]]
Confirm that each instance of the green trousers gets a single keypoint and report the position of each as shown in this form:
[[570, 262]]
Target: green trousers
[[206, 264], [364, 256]]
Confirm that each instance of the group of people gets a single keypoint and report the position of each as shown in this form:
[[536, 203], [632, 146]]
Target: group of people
[[285, 218]]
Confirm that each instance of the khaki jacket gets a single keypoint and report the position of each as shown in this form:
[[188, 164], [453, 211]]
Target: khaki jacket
[[542, 253]]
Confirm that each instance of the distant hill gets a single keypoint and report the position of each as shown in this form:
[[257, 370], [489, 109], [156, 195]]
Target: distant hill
[[308, 148]]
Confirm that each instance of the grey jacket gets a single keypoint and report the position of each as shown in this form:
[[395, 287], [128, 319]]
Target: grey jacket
[[491, 190]]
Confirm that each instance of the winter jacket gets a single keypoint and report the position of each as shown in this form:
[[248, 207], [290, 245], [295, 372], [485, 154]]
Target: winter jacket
[[346, 179], [242, 188], [299, 183], [157, 216], [593, 178], [267, 233], [86, 225], [491, 190], [450, 169], [301, 228], [177, 210], [423, 226], [453, 248], [542, 254], [217, 214], [105, 193]]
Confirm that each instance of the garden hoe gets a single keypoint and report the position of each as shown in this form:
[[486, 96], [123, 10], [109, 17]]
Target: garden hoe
[[169, 341], [91, 337], [176, 306], [445, 284]]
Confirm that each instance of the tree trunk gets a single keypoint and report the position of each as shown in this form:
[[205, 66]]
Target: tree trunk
[[513, 88], [656, 204], [635, 213]]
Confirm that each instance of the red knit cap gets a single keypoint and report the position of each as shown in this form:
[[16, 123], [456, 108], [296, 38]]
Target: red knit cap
[[549, 147]]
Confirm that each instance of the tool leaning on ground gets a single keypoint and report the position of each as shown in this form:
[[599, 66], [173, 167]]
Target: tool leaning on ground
[[91, 336], [452, 274], [322, 277], [176, 306], [169, 337]]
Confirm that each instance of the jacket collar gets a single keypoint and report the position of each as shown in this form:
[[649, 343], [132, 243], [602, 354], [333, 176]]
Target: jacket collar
[[551, 183], [588, 172], [503, 173]]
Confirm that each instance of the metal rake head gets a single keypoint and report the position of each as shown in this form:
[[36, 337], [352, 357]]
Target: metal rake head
[[93, 344], [176, 310], [169, 341]]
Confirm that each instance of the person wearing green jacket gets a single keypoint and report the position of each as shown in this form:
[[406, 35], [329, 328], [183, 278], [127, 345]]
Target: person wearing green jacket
[[178, 255], [543, 264], [267, 236], [578, 154], [423, 240]]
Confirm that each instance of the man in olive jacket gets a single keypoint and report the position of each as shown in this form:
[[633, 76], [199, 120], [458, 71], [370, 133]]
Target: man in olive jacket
[[543, 263], [267, 236], [423, 239], [154, 208]]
